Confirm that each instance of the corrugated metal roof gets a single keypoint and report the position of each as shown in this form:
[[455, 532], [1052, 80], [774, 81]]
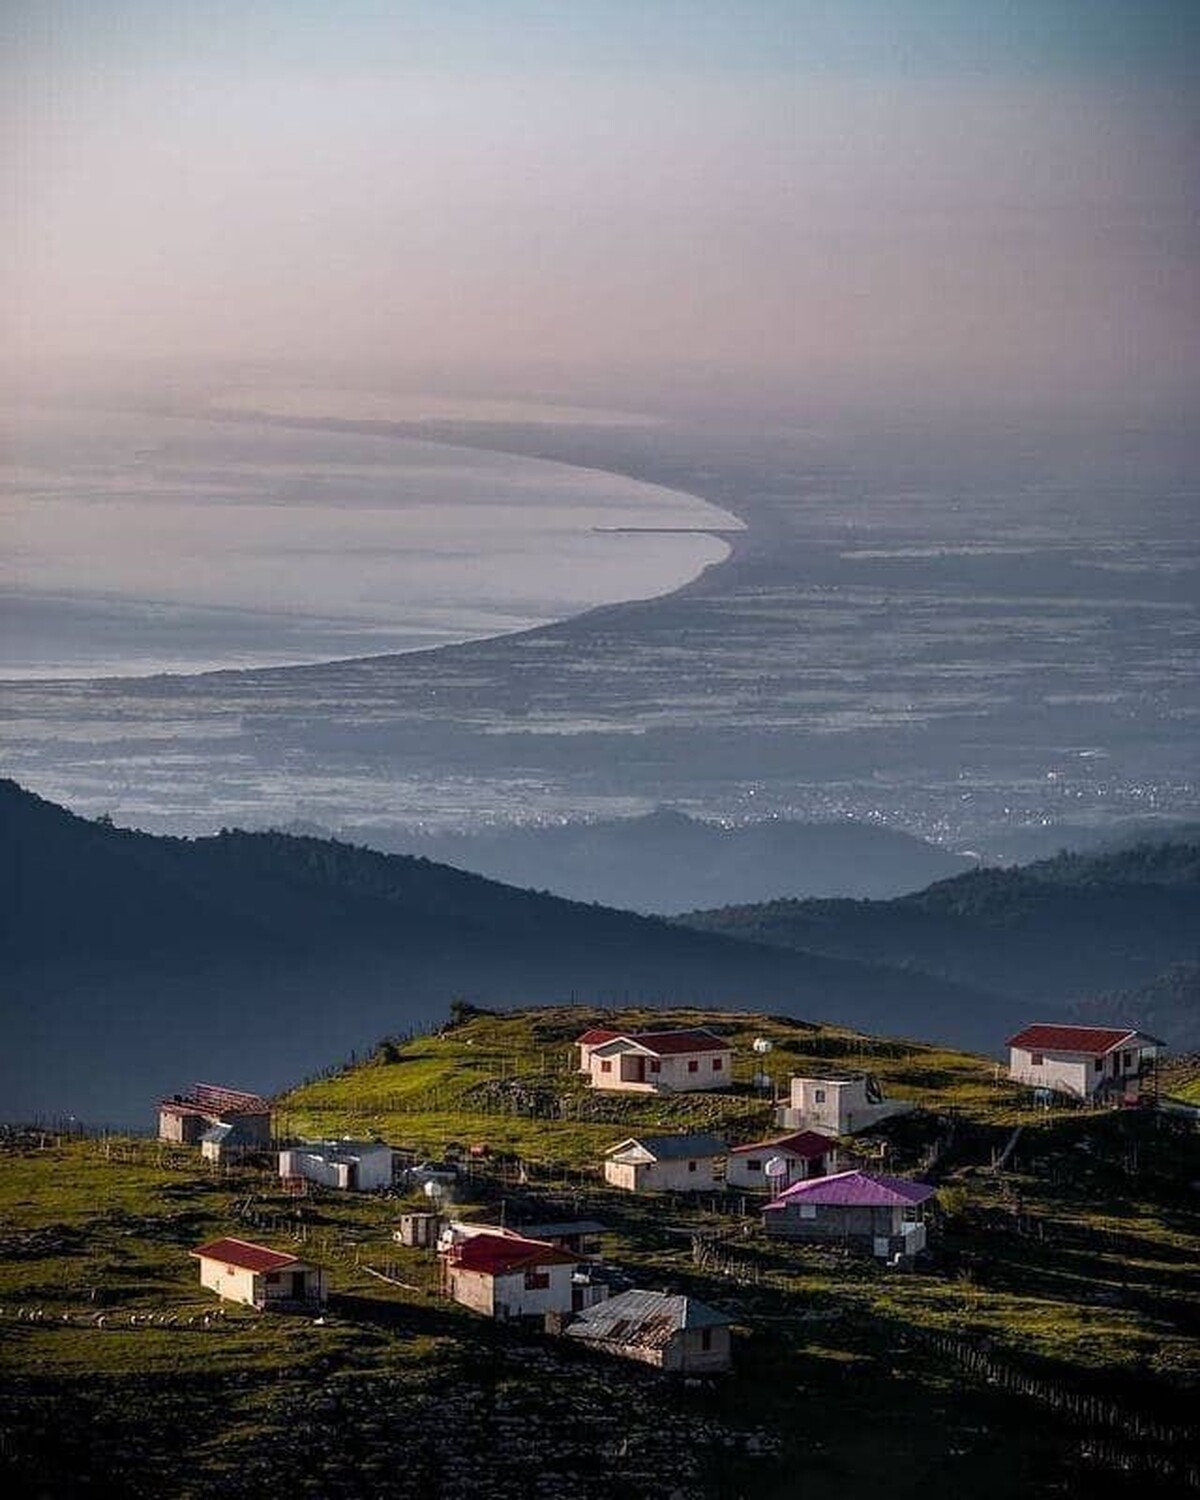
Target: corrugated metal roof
[[807, 1144], [1094, 1040], [213, 1099], [245, 1255], [855, 1190], [673, 1147], [645, 1319], [340, 1151]]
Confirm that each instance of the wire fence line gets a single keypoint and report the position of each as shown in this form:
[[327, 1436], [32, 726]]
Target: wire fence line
[[1176, 1454]]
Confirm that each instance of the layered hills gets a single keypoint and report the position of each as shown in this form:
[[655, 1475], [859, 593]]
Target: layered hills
[[665, 860], [133, 964], [1089, 933]]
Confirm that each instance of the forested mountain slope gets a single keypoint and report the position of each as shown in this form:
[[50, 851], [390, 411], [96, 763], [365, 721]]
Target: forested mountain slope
[[133, 963], [1057, 931]]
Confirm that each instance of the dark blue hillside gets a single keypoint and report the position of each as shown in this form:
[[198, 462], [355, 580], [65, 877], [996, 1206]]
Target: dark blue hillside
[[132, 963]]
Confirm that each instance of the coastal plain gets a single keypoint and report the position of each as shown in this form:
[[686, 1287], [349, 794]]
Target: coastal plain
[[979, 637]]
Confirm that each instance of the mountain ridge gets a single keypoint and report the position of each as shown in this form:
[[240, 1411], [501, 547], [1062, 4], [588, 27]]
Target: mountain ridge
[[635, 862], [135, 963], [1057, 933]]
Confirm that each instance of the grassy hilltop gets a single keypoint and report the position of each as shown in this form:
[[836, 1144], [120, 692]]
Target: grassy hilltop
[[1047, 1346], [509, 1079]]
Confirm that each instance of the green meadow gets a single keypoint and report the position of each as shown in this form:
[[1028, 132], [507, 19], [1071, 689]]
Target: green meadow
[[1051, 1327]]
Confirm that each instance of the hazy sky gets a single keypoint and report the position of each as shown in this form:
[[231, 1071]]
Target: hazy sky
[[848, 195]]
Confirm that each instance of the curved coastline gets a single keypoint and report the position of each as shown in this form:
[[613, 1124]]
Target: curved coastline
[[450, 438]]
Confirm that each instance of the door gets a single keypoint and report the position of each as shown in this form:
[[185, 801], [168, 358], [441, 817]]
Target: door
[[299, 1286]]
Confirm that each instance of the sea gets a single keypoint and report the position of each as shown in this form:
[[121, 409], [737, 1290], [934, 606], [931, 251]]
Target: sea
[[137, 543]]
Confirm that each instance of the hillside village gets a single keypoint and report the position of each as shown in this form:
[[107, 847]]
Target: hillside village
[[695, 1248]]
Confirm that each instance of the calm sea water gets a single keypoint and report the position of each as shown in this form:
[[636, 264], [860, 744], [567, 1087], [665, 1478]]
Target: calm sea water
[[136, 544]]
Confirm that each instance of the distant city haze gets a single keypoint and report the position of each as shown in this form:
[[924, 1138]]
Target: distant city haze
[[781, 203]]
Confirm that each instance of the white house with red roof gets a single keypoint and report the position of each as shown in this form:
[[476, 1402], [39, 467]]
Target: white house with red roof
[[776, 1164], [595, 1036], [505, 1275], [1083, 1061], [650, 1062], [240, 1271]]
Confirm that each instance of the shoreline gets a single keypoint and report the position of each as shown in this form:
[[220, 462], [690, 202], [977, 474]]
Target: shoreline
[[435, 435]]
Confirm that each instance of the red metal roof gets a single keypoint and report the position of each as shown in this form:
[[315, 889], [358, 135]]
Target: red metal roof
[[595, 1036], [669, 1043], [494, 1254], [664, 1042], [243, 1254], [1090, 1039], [807, 1144]]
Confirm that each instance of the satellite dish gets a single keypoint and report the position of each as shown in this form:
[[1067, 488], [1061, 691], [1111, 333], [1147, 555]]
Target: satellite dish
[[762, 1044], [776, 1167]]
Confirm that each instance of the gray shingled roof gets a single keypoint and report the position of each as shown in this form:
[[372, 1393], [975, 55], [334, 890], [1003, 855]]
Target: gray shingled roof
[[644, 1319], [678, 1147]]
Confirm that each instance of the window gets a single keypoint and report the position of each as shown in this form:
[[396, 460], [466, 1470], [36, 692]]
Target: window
[[754, 1165], [1099, 1065], [606, 1065], [1128, 1061], [706, 1338], [1036, 1059], [655, 1065], [818, 1096], [808, 1210], [718, 1064], [272, 1278], [692, 1166], [537, 1281], [693, 1065]]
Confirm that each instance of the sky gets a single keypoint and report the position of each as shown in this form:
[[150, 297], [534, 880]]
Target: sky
[[851, 199]]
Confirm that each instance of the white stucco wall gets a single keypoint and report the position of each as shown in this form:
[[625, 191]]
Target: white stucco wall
[[471, 1288], [508, 1296], [374, 1168], [673, 1072], [259, 1288], [738, 1173], [231, 1283], [514, 1299], [1068, 1072], [837, 1106], [679, 1176]]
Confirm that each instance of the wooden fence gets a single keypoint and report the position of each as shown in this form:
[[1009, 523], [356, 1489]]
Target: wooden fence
[[1168, 1450]]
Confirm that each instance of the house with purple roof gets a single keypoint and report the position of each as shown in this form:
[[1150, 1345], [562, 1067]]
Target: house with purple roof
[[861, 1210]]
